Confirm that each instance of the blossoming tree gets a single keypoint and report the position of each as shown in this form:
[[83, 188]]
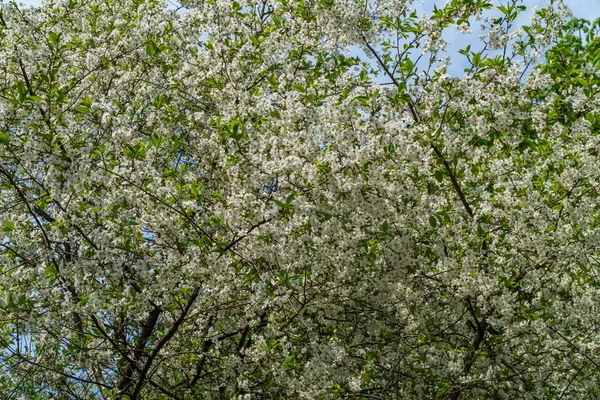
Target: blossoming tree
[[223, 202]]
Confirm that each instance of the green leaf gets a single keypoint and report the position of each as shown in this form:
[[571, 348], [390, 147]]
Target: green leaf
[[51, 271], [157, 141], [364, 77], [291, 363], [299, 88], [407, 65], [363, 99], [279, 203], [235, 128], [432, 221], [9, 226], [4, 138], [404, 98], [35, 99], [480, 230], [11, 302], [87, 101], [590, 117], [290, 198], [54, 38], [151, 48], [254, 40], [22, 89], [385, 227], [476, 59]]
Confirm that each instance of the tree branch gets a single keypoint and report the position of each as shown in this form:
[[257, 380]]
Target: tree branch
[[163, 342]]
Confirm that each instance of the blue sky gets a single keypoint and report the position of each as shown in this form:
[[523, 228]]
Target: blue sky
[[588, 9]]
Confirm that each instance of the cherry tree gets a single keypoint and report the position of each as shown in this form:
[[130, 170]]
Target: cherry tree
[[224, 201]]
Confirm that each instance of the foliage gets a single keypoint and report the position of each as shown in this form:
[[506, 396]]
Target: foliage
[[222, 202]]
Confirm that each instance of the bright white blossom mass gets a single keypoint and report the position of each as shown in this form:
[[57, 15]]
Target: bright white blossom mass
[[222, 202]]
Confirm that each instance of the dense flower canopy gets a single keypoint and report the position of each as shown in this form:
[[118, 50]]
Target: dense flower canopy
[[223, 201]]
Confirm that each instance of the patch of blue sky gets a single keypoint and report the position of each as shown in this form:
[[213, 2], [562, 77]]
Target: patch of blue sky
[[457, 41]]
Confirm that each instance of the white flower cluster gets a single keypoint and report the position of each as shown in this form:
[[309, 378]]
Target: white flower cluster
[[223, 204]]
